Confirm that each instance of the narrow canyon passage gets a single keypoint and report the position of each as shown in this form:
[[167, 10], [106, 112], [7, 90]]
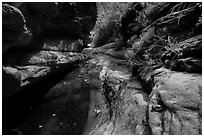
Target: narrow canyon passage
[[99, 97], [101, 68]]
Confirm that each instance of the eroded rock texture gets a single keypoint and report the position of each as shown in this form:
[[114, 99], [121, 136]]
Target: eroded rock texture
[[175, 105], [50, 88]]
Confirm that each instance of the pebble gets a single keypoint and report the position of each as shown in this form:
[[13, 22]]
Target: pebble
[[87, 82], [158, 108], [97, 111], [64, 83], [40, 126]]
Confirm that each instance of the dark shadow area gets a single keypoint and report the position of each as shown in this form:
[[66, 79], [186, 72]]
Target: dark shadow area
[[70, 111], [17, 108]]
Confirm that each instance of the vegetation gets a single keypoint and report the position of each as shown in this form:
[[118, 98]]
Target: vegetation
[[149, 32], [107, 28], [172, 23]]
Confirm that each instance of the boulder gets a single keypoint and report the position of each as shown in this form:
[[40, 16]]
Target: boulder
[[15, 32], [175, 105], [12, 17], [32, 67], [11, 81], [27, 77], [146, 37]]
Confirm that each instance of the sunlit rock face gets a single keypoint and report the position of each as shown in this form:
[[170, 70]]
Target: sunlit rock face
[[175, 105]]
